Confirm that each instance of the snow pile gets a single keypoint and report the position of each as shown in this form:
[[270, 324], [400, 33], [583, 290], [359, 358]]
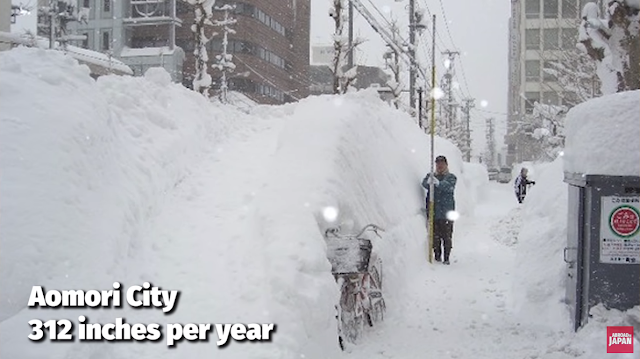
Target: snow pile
[[84, 166], [590, 342], [540, 273], [347, 161], [88, 166], [603, 136], [476, 178]]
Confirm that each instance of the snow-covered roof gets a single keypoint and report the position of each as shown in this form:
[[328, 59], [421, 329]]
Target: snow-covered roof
[[603, 136], [97, 58], [80, 54]]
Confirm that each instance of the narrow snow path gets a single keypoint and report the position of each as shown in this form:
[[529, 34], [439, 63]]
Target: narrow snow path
[[461, 310], [198, 245]]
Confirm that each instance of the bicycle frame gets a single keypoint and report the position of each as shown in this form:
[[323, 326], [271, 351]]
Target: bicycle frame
[[361, 288]]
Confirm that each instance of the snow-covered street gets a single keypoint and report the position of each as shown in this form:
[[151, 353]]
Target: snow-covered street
[[462, 310]]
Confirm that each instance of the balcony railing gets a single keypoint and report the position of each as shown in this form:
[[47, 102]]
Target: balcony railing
[[150, 12]]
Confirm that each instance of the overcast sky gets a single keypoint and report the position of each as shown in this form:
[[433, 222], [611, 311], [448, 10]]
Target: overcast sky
[[478, 29]]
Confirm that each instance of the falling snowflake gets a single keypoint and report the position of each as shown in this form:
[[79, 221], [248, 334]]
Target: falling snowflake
[[437, 93], [330, 214], [484, 103], [453, 215]]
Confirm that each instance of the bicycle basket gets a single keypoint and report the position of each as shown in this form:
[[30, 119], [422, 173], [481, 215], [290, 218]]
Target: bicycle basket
[[349, 255]]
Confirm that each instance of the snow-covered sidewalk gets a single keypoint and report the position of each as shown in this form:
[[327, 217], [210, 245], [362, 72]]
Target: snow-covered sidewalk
[[462, 310]]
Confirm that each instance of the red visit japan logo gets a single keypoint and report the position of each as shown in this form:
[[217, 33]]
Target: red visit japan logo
[[619, 339]]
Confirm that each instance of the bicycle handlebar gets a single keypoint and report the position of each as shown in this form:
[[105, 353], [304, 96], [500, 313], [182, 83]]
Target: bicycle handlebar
[[369, 227], [374, 227]]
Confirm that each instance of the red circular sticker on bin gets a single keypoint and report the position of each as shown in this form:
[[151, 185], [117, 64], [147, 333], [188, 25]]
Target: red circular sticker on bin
[[624, 221]]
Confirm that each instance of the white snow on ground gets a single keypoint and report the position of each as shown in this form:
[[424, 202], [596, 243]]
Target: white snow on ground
[[602, 136], [137, 179], [540, 271]]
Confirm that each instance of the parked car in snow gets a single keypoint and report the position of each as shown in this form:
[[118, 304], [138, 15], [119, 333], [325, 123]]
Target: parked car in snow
[[504, 176]]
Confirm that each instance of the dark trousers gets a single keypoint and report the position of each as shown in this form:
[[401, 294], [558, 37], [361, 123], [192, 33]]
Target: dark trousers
[[442, 233]]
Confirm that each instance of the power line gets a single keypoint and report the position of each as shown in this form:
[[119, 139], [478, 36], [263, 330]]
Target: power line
[[446, 23]]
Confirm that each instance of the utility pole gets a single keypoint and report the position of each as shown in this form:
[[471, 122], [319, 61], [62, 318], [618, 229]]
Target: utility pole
[[448, 82], [59, 14], [350, 58], [412, 52], [491, 143], [466, 109]]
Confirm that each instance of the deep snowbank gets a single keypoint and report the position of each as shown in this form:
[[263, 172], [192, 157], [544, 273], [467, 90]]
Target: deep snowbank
[[476, 178], [603, 136], [356, 155], [86, 166], [539, 282]]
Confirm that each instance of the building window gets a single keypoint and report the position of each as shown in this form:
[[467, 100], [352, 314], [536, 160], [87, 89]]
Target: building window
[[139, 42], [550, 98], [530, 99], [106, 41], [85, 41], [550, 37], [550, 9], [548, 65], [569, 9], [532, 70], [106, 5], [182, 7], [245, 47], [532, 9], [532, 39], [569, 38]]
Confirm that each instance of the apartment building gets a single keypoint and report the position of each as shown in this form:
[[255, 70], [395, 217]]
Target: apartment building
[[140, 33], [540, 32], [270, 48]]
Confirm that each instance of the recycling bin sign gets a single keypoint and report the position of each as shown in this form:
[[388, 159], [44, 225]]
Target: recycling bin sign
[[620, 230]]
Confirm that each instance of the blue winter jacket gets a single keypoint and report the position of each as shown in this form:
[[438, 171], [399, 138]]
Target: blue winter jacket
[[444, 194]]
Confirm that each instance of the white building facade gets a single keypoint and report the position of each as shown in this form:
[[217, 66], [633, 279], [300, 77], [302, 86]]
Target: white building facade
[[541, 32], [119, 28]]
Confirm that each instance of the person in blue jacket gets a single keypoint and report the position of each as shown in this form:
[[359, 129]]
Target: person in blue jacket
[[444, 207]]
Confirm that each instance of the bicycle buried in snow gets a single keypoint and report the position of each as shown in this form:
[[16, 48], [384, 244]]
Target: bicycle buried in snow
[[358, 272]]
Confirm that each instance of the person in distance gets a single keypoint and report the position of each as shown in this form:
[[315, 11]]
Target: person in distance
[[521, 183]]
